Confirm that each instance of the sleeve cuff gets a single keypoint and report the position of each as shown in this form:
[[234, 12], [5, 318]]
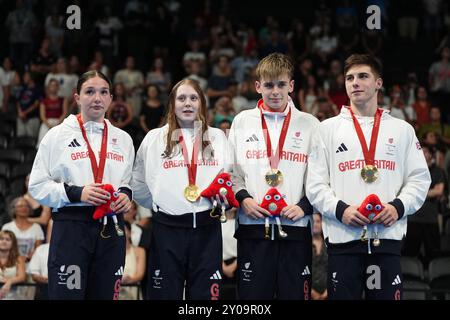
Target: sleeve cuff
[[398, 204], [306, 206], [73, 192], [340, 208], [127, 191], [241, 195]]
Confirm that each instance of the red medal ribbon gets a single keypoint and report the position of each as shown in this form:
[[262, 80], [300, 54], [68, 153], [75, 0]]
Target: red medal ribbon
[[96, 170], [192, 166], [369, 154], [274, 159]]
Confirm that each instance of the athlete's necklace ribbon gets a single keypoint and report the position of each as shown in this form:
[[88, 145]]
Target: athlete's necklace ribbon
[[192, 191], [98, 170], [369, 173], [274, 176]]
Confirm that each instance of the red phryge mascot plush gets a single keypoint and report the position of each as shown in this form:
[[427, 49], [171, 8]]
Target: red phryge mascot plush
[[105, 210], [220, 191], [273, 202], [370, 208]]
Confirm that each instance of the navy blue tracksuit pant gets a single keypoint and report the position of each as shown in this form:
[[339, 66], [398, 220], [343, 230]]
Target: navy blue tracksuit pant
[[183, 256], [279, 268], [82, 264], [378, 275]]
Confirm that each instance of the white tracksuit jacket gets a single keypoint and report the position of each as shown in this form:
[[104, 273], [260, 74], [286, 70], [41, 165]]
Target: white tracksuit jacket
[[250, 161], [160, 182], [335, 165], [63, 157]]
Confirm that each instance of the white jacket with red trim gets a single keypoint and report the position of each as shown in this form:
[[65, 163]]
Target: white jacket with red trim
[[159, 182], [63, 157], [335, 166], [250, 161]]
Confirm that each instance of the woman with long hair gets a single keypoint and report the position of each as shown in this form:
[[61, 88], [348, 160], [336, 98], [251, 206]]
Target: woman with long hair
[[12, 265], [173, 165]]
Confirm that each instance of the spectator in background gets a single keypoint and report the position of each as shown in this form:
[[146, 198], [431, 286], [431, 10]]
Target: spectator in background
[[7, 76], [134, 270], [437, 125], [439, 81], [337, 93], [4, 91], [241, 64], [421, 107], [12, 266], [319, 261], [409, 89], [219, 81], [120, 112], [37, 267], [67, 82], [195, 74], [436, 147], [97, 63], [138, 227], [74, 66], [29, 235], [159, 77], [423, 226], [152, 113], [52, 109], [398, 107], [107, 28], [133, 81], [43, 62], [21, 24], [194, 55], [229, 262], [308, 94], [372, 41], [54, 30], [299, 42], [223, 110], [325, 107], [28, 107], [225, 126]]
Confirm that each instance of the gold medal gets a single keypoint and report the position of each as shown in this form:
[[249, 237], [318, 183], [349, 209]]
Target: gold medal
[[369, 173], [191, 193], [274, 177]]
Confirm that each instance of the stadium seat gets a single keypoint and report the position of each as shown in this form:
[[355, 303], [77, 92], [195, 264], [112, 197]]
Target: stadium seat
[[412, 268], [415, 290], [20, 170], [414, 285], [3, 142], [16, 187], [12, 156], [6, 130], [23, 143], [4, 170], [439, 276]]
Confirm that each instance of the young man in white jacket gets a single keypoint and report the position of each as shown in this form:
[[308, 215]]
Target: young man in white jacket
[[365, 151], [270, 145]]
